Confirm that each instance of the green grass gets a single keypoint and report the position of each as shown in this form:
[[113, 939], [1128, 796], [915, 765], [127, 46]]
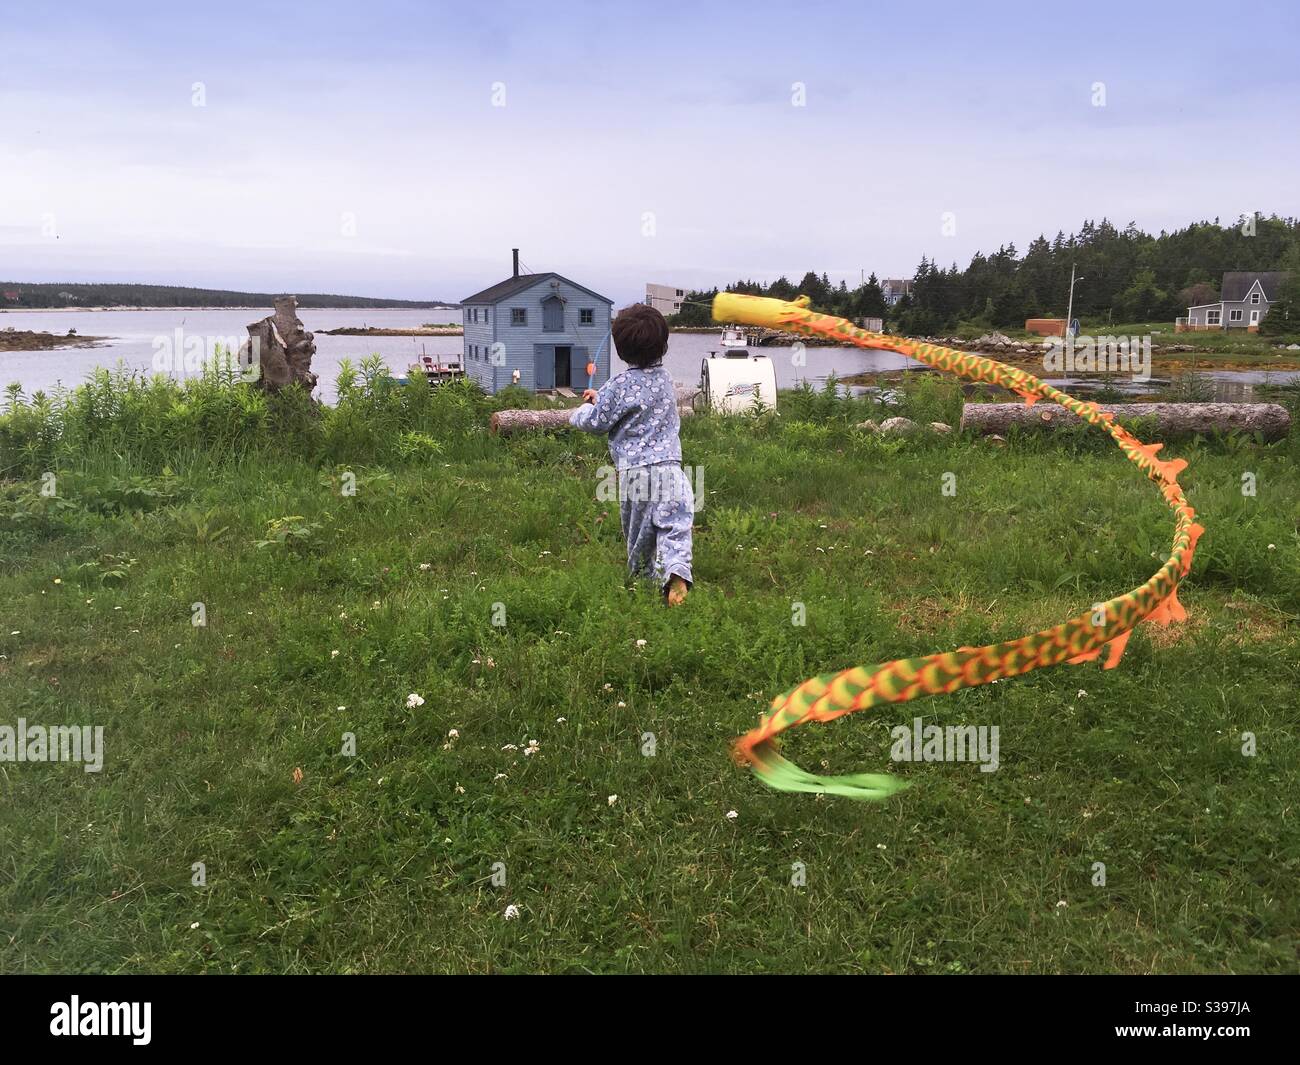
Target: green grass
[[383, 861]]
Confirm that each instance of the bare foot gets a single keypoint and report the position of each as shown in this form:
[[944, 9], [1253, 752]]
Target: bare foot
[[676, 591]]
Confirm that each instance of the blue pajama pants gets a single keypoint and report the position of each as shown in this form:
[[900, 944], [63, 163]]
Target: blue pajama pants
[[657, 508]]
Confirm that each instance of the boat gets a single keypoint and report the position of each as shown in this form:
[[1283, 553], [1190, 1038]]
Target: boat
[[733, 337]]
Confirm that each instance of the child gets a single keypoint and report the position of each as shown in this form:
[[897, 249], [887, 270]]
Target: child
[[638, 409]]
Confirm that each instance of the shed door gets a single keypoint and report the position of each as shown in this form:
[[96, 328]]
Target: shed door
[[543, 366], [563, 366], [553, 314], [578, 374]]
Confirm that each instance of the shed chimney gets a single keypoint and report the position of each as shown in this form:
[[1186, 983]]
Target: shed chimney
[[516, 255]]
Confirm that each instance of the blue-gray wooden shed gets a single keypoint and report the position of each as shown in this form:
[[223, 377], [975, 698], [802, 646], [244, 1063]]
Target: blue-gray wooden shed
[[544, 326]]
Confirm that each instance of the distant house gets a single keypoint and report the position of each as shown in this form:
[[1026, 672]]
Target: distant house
[[664, 298], [894, 290], [11, 297], [1244, 299], [538, 331]]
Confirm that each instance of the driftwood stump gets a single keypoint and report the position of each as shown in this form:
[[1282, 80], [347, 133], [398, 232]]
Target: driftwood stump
[[281, 349], [1171, 419]]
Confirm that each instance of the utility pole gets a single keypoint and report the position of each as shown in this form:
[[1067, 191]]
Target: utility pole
[[1069, 310]]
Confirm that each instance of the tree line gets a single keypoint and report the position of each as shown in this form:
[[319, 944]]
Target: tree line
[[80, 294], [1127, 276]]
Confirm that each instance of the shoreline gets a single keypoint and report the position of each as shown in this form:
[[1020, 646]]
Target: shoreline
[[382, 331], [39, 340], [239, 307]]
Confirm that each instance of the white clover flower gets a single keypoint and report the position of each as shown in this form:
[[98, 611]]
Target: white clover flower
[[611, 800], [561, 720], [1082, 694], [1271, 547], [426, 565], [413, 700], [459, 790], [640, 643], [732, 815], [622, 704], [194, 926], [510, 747], [334, 654], [512, 912], [453, 734]]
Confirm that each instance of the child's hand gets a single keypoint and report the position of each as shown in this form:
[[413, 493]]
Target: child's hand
[[589, 395]]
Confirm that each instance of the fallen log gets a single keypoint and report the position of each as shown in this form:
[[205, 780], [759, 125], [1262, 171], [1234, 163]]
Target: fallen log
[[505, 422], [1170, 419]]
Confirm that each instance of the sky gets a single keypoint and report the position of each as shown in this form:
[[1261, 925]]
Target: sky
[[402, 149]]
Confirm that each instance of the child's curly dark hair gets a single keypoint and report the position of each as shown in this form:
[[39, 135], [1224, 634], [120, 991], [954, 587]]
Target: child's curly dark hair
[[640, 335]]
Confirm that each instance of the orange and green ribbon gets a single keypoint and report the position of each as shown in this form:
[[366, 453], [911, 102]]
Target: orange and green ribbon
[[1105, 625]]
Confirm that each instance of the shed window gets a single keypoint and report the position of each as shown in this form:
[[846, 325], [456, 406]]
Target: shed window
[[1212, 317], [518, 315], [1234, 315], [586, 316]]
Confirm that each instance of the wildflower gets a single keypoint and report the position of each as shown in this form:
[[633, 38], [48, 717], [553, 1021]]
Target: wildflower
[[297, 776], [732, 815], [611, 800], [1271, 547], [512, 912], [532, 748], [459, 789], [609, 687], [413, 700], [1062, 904], [334, 654], [510, 747], [194, 926], [499, 776], [640, 643], [453, 734], [426, 565], [621, 704], [561, 720], [1082, 694], [881, 847], [57, 580]]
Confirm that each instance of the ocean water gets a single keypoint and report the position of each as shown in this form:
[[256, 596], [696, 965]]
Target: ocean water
[[143, 340]]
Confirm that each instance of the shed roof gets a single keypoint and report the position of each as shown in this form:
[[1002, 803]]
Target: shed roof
[[512, 286]]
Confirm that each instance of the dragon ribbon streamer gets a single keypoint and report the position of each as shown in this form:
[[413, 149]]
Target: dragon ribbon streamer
[[1106, 626]]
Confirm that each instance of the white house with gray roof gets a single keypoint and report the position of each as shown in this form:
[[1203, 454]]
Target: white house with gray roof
[[1244, 299], [538, 331]]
